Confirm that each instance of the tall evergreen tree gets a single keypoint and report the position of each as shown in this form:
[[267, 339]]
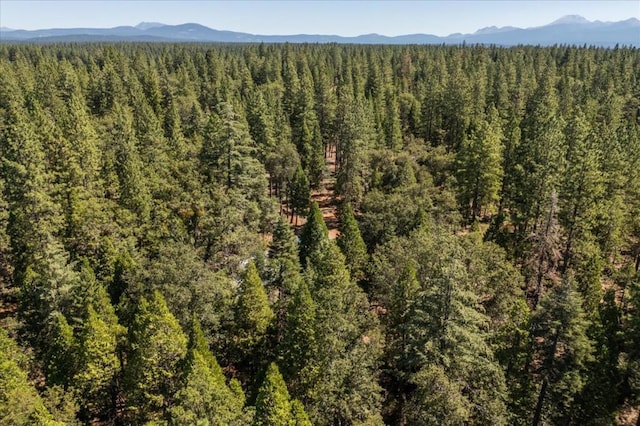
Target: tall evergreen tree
[[99, 365], [20, 403], [543, 264], [298, 348], [300, 416], [33, 215], [283, 244], [582, 186], [205, 395], [299, 194], [133, 192], [348, 343], [563, 349], [538, 155], [253, 318], [314, 234], [273, 405], [351, 243], [480, 167], [253, 314], [227, 154], [157, 345]]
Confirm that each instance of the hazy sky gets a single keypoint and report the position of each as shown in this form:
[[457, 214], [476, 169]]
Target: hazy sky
[[311, 17]]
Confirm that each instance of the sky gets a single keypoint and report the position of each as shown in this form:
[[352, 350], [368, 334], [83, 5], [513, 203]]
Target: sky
[[346, 18]]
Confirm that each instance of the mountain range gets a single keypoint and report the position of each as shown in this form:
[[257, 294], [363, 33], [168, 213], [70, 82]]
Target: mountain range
[[568, 30]]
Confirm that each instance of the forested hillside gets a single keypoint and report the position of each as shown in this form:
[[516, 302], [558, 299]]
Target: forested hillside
[[486, 269]]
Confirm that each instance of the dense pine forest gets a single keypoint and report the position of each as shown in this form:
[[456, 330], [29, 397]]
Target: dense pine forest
[[319, 235]]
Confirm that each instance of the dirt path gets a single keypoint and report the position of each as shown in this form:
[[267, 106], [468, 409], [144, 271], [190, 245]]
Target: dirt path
[[325, 197]]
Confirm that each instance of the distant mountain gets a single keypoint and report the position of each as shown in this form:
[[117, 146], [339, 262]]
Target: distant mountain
[[493, 30], [147, 25], [570, 19], [570, 30]]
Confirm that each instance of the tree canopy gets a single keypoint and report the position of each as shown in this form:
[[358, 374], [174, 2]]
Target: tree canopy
[[319, 234]]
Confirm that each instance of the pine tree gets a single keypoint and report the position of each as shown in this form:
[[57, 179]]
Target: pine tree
[[316, 167], [434, 319], [20, 403], [632, 341], [260, 123], [348, 343], [157, 345], [542, 266], [355, 136], [299, 194], [283, 270], [6, 266], [99, 365], [401, 300], [283, 244], [300, 417], [445, 326], [45, 304], [253, 318], [33, 215], [538, 155], [437, 400], [282, 162], [298, 348], [60, 357], [351, 243], [205, 394], [563, 348], [391, 126], [273, 405], [480, 167], [582, 186], [227, 154], [314, 234], [253, 315], [134, 194]]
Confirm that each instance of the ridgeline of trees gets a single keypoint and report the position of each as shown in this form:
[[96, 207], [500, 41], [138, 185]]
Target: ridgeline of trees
[[486, 271]]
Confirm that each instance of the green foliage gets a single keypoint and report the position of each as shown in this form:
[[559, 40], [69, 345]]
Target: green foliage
[[435, 319], [129, 171], [20, 403], [99, 364], [46, 300], [157, 345], [299, 194], [345, 387], [283, 245], [252, 312], [351, 243], [133, 192], [300, 417], [60, 357], [480, 166], [189, 286], [314, 234], [437, 401], [273, 405], [205, 395], [563, 348], [253, 319], [299, 345]]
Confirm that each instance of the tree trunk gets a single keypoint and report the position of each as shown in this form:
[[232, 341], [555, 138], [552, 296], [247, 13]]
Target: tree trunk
[[537, 415]]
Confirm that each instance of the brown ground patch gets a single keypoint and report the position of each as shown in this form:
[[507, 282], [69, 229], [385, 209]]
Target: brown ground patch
[[326, 199], [628, 416]]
